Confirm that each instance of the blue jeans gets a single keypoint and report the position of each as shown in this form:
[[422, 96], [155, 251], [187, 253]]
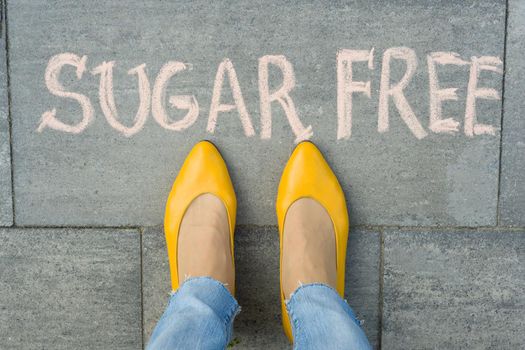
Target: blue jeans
[[200, 316]]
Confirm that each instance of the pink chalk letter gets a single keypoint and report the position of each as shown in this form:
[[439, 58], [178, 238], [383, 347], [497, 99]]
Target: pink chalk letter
[[226, 67], [488, 63], [282, 96], [107, 97], [184, 102], [346, 86], [54, 86], [396, 91], [437, 124]]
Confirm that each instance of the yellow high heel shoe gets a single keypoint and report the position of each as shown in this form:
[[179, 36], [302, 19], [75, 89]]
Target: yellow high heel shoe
[[308, 175], [204, 171]]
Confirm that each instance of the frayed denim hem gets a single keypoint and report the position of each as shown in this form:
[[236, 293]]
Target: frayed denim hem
[[190, 280], [342, 301]]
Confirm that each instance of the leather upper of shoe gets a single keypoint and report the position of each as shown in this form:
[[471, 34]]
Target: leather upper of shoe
[[307, 174], [203, 171]]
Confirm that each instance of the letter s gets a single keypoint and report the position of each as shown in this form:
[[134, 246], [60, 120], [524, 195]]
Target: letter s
[[53, 70]]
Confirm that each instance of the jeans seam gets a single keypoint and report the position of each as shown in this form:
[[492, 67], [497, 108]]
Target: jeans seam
[[232, 314], [295, 325]]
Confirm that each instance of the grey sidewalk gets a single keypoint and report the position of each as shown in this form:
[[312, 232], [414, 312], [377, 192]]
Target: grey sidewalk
[[436, 254]]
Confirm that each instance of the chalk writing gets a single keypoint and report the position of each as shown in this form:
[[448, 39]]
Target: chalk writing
[[346, 87], [282, 96], [226, 66], [179, 102], [155, 100], [473, 92], [107, 98], [437, 124], [54, 67]]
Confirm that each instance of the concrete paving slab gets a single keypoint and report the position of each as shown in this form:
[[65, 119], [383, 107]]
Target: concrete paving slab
[[69, 174], [454, 290], [258, 326], [6, 204], [512, 195], [363, 279], [70, 289]]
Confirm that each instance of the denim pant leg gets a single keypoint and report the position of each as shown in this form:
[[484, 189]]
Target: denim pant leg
[[199, 316], [321, 319]]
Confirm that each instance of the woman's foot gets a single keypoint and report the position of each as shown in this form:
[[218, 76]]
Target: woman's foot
[[204, 242], [309, 250]]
